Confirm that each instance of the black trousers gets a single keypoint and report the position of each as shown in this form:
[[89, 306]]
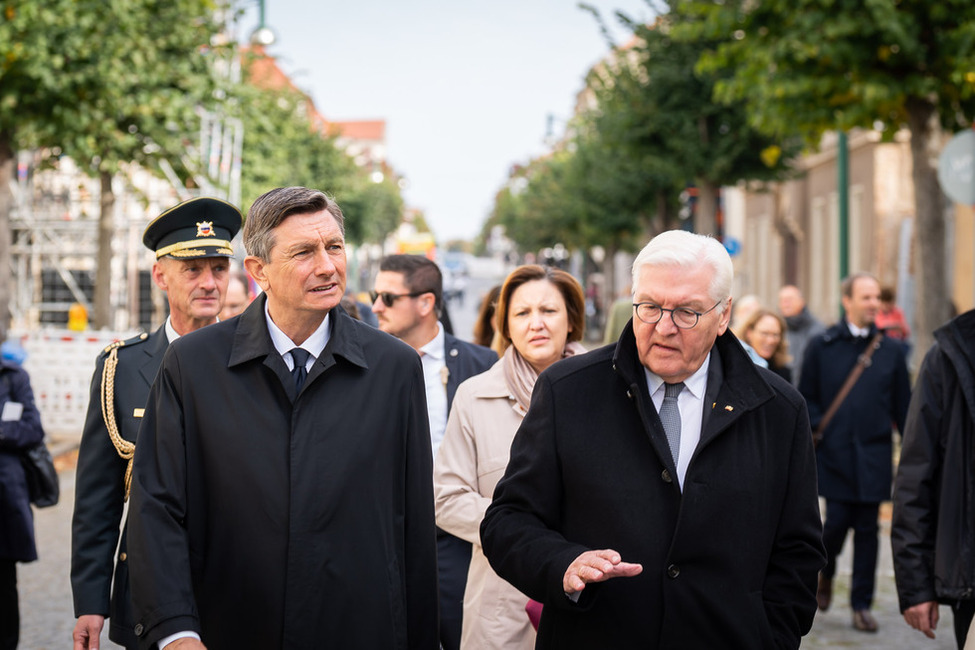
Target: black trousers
[[453, 562], [9, 608], [862, 518]]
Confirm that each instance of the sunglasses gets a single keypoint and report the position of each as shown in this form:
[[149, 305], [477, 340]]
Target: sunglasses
[[390, 298]]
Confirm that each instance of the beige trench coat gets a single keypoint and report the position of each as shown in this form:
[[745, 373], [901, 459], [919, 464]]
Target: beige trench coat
[[472, 459]]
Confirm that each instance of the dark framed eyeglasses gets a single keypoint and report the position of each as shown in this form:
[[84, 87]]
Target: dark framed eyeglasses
[[683, 317], [390, 298]]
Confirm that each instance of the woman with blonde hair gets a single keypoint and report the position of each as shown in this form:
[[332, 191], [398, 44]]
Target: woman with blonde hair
[[540, 318], [765, 331]]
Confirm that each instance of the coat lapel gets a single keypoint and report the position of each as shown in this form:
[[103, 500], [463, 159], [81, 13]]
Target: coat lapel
[[738, 389], [252, 341], [734, 387], [154, 349]]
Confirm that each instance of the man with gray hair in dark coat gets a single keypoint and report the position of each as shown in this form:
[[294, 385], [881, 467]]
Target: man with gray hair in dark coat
[[661, 492]]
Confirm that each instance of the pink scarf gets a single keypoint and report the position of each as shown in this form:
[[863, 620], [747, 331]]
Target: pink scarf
[[520, 376]]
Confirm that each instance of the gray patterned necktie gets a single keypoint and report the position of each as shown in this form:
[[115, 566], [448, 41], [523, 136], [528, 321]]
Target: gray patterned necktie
[[670, 418]]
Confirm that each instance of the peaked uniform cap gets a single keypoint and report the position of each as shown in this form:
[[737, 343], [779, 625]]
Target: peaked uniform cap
[[200, 227]]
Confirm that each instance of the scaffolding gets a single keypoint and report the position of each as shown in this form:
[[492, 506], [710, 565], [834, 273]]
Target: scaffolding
[[54, 224]]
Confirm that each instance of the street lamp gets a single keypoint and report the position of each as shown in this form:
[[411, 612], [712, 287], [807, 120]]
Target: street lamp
[[262, 36]]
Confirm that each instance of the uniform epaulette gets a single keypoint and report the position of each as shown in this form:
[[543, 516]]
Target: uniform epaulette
[[120, 344]]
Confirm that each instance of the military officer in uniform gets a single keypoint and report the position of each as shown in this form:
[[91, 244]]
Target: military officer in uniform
[[192, 246]]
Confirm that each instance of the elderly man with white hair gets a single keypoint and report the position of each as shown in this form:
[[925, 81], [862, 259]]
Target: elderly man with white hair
[[661, 491]]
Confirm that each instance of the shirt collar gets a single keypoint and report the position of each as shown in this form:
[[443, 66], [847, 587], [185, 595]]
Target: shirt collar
[[171, 333], [858, 331], [314, 344], [435, 348], [696, 383]]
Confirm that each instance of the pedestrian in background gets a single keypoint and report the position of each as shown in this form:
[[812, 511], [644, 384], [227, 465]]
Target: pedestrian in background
[[282, 495], [484, 327], [891, 318], [541, 319], [20, 428], [661, 493], [238, 296], [191, 243], [764, 331], [408, 301], [801, 326], [933, 528], [743, 309], [856, 429]]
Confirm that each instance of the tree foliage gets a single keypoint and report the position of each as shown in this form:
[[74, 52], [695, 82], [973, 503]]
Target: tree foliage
[[283, 147], [653, 128], [819, 65], [107, 83], [665, 113]]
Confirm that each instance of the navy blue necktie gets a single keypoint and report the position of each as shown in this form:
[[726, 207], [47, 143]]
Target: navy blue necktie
[[299, 372]]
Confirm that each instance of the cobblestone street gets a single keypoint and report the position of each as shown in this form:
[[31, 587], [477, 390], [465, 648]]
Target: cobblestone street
[[47, 617]]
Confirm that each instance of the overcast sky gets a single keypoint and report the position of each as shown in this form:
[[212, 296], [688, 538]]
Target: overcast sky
[[465, 88]]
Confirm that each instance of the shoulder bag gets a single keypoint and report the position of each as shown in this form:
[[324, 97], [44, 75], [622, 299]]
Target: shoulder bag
[[862, 362]]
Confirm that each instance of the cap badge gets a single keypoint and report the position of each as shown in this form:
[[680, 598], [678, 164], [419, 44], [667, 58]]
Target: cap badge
[[204, 229]]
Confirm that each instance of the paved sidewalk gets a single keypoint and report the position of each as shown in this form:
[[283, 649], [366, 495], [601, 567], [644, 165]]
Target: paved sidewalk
[[834, 628]]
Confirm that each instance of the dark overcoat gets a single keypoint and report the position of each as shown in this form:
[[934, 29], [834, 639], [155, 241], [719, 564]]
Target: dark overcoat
[[96, 553], [16, 517], [933, 529], [262, 518], [731, 562], [854, 458]]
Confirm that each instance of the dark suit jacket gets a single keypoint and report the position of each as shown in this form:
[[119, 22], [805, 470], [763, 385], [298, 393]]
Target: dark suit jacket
[[99, 488], [729, 562], [464, 360], [854, 457], [265, 518]]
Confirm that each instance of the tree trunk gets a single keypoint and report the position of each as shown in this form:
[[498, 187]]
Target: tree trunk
[[706, 212], [932, 305], [7, 166], [102, 318], [609, 273]]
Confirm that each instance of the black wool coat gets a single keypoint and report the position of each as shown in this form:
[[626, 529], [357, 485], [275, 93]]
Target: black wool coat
[[16, 517], [854, 458], [729, 562], [933, 529], [262, 518], [96, 553]]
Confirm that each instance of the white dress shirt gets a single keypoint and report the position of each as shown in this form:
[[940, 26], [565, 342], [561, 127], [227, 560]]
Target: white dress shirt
[[858, 331], [433, 358], [690, 403], [313, 345]]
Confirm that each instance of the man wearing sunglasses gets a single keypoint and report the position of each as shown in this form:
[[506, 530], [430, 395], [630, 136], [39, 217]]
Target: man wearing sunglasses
[[408, 301], [661, 492]]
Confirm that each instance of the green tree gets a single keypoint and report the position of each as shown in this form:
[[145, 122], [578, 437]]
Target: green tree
[[820, 65], [283, 147], [109, 84], [658, 106], [536, 207], [373, 210]]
